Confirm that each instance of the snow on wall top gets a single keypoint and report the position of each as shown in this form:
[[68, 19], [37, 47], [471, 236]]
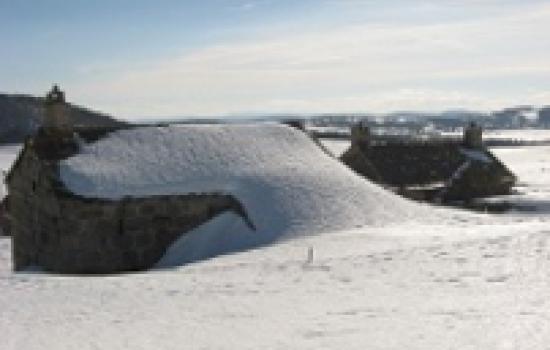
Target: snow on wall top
[[281, 177]]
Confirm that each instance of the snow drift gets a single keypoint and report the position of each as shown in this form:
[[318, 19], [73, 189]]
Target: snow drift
[[225, 233], [285, 182]]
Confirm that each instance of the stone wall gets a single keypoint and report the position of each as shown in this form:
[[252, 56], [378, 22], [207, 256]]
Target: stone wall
[[65, 233], [4, 218]]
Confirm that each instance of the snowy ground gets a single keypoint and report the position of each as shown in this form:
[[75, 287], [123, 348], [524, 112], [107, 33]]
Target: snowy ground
[[513, 134], [532, 166], [391, 288], [467, 282]]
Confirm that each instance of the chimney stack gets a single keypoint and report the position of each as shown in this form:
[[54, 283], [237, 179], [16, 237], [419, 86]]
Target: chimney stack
[[473, 136], [57, 119]]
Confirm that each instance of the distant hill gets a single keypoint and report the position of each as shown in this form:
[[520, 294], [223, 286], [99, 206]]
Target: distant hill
[[21, 115]]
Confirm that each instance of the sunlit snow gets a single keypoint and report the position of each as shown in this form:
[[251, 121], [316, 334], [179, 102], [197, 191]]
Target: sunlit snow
[[461, 282]]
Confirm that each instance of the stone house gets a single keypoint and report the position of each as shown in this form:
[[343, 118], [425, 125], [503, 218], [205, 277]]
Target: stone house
[[60, 231], [439, 170]]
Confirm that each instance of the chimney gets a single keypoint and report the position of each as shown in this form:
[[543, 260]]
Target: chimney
[[57, 119], [473, 136], [360, 135]]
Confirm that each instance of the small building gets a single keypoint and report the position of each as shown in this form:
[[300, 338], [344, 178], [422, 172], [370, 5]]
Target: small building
[[439, 170], [59, 230]]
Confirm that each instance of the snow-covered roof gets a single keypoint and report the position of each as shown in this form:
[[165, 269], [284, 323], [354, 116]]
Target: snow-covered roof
[[282, 178]]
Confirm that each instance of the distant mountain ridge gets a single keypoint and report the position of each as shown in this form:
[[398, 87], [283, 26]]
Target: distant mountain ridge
[[21, 115]]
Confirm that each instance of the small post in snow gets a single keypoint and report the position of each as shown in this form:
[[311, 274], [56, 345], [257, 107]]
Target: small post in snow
[[309, 256]]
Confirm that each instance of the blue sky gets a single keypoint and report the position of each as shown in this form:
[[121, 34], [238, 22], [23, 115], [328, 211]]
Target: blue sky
[[226, 57]]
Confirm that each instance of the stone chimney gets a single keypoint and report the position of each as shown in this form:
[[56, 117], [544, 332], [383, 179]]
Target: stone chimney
[[360, 135], [57, 120], [473, 136]]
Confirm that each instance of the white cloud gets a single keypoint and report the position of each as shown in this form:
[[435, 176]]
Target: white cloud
[[355, 68]]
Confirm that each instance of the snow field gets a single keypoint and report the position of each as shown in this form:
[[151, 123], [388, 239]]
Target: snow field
[[391, 287], [510, 134], [524, 135], [462, 282], [532, 167]]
